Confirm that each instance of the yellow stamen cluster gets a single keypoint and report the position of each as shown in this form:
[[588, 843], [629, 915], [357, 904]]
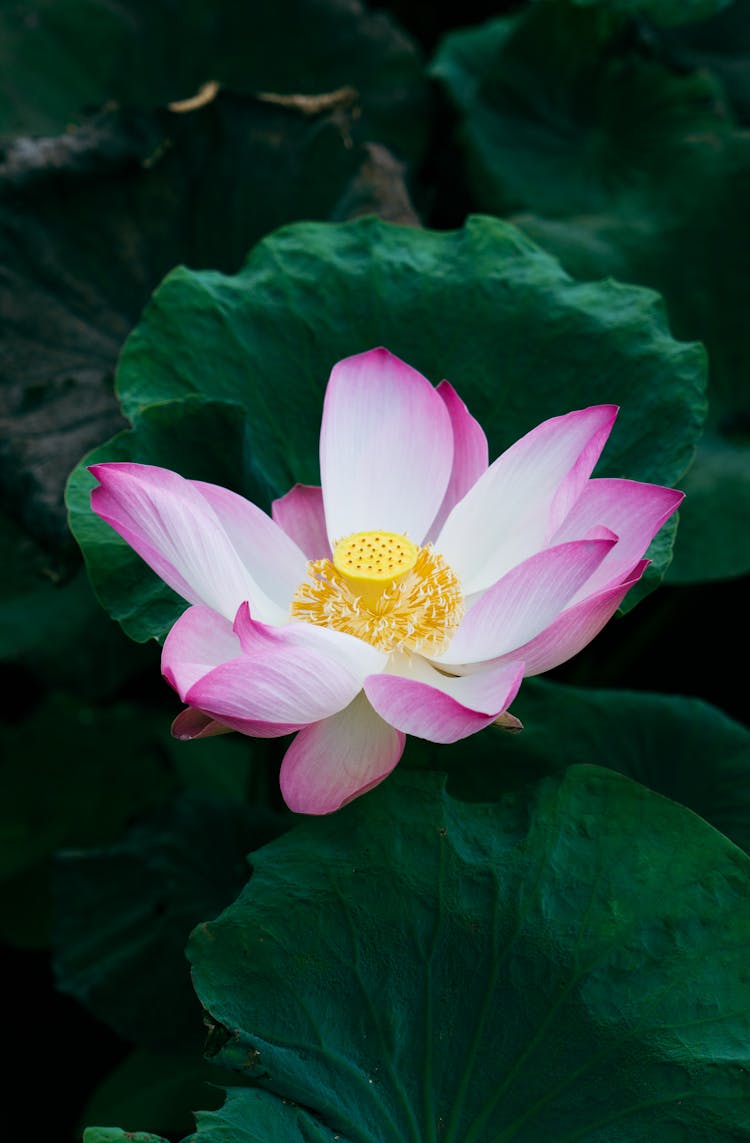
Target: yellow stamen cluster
[[385, 590]]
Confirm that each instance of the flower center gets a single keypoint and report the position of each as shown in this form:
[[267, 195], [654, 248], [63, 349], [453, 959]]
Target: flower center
[[370, 561], [385, 590]]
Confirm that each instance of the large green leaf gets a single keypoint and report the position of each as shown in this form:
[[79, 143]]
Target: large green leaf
[[568, 962], [148, 53], [123, 914], [481, 306], [624, 165]]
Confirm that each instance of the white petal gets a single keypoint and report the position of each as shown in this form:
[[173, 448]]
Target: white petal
[[386, 448]]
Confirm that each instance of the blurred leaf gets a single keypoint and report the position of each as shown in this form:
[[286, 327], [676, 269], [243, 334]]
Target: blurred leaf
[[58, 633], [158, 1090], [117, 1135], [91, 221], [221, 766], [624, 165], [567, 963], [720, 45], [559, 115], [149, 53], [667, 12], [25, 908], [122, 915], [481, 306], [714, 523], [74, 775]]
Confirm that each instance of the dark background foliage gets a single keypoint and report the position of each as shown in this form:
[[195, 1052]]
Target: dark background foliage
[[119, 163]]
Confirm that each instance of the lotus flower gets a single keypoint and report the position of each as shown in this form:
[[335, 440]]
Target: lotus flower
[[409, 595]]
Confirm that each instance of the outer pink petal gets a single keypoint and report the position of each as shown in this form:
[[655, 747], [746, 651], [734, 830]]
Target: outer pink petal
[[274, 561], [573, 629], [200, 640], [300, 513], [525, 600], [386, 448], [470, 454], [515, 506], [287, 688], [336, 760], [633, 510], [191, 724], [174, 528], [442, 708]]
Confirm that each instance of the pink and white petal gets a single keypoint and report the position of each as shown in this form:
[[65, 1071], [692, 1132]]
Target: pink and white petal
[[574, 483], [470, 454], [635, 511], [191, 723], [291, 686], [200, 640], [354, 654], [300, 513], [509, 512], [439, 707], [273, 559], [573, 629], [334, 761], [171, 526], [168, 523], [386, 448], [525, 601]]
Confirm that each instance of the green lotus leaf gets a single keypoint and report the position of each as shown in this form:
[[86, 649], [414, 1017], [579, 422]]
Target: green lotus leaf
[[567, 962]]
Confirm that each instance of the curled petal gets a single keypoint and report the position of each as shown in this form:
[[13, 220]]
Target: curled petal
[[199, 641], [191, 723], [356, 656], [273, 693], [386, 448], [470, 454], [514, 507], [300, 513], [336, 760], [443, 708], [525, 600], [633, 510]]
